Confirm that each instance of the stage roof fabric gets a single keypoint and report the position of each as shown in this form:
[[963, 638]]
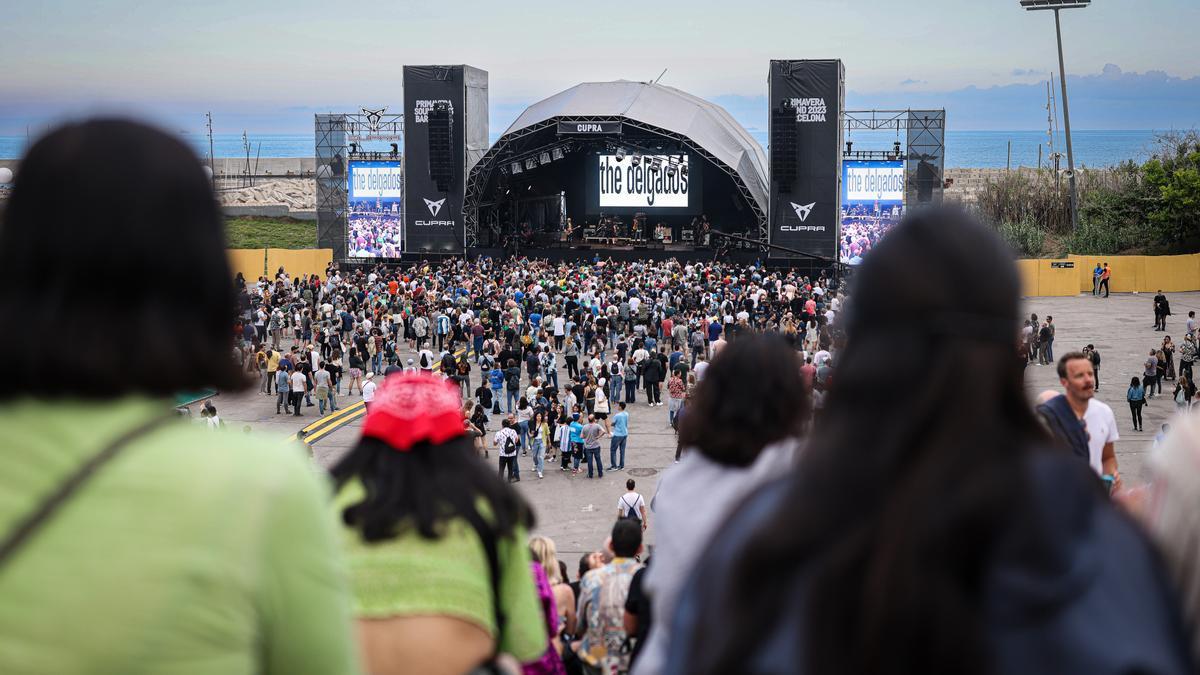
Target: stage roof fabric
[[706, 124]]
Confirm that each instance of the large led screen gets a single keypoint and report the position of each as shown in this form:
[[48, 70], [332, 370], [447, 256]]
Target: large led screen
[[375, 220], [872, 204], [654, 182]]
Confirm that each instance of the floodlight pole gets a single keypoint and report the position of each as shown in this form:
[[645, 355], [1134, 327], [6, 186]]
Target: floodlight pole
[[1062, 78]]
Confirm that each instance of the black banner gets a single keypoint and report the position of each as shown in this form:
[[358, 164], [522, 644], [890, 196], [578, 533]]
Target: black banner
[[434, 165], [589, 128], [806, 99]]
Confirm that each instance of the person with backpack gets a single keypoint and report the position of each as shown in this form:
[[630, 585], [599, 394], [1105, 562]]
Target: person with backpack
[[512, 380], [507, 443], [549, 365], [1093, 356], [496, 380], [632, 506]]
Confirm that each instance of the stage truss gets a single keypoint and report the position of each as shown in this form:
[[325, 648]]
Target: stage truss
[[496, 157], [335, 132], [925, 151]]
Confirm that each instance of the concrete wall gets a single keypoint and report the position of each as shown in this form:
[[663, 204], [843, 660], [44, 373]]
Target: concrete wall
[[1130, 274]]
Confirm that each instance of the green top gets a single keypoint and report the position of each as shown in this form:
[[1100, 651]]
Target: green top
[[189, 553], [411, 575]]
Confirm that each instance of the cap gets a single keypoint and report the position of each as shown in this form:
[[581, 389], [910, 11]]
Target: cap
[[411, 408]]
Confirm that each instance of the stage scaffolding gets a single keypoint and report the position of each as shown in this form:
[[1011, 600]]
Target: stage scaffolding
[[340, 139], [925, 153]]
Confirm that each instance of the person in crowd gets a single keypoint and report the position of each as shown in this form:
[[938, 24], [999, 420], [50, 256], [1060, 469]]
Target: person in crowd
[[726, 460], [1184, 391], [639, 610], [1136, 396], [620, 438], [545, 552], [855, 562], [632, 505], [124, 541], [590, 436], [440, 568], [602, 596], [507, 441]]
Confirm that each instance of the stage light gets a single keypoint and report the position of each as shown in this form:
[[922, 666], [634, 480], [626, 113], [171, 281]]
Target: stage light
[[395, 150], [515, 167], [544, 157], [683, 170], [849, 147], [670, 170], [635, 160], [531, 163], [354, 148], [528, 188], [557, 153], [620, 154], [896, 148]]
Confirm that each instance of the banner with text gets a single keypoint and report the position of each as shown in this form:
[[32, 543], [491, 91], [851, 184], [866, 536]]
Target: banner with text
[[805, 133], [655, 182], [433, 221]]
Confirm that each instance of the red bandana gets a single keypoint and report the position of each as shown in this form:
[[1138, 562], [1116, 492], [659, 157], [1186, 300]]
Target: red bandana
[[413, 407]]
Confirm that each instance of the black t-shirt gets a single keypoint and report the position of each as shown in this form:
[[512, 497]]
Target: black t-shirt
[[637, 603]]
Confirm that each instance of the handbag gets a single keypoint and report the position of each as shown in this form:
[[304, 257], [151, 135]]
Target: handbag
[[29, 525]]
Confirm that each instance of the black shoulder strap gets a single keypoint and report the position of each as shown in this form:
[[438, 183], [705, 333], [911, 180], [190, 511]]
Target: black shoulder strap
[[488, 538], [30, 524]]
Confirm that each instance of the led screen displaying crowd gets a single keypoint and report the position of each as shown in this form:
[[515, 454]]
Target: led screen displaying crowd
[[863, 225], [375, 233]]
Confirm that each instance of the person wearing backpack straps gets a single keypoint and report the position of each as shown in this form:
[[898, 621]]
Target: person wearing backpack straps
[[632, 506]]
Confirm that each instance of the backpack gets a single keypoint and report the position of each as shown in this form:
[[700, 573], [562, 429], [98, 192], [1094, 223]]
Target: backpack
[[510, 446], [513, 379], [631, 512]]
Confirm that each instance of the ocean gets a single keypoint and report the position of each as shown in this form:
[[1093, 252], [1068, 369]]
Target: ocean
[[974, 149]]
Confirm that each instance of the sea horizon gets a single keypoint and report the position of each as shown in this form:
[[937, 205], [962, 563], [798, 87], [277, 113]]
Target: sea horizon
[[964, 149]]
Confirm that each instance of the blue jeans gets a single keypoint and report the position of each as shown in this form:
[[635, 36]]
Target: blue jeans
[[618, 442], [630, 391], [614, 390], [594, 453], [539, 456], [523, 432], [576, 453], [477, 343], [552, 376], [513, 397], [497, 395]]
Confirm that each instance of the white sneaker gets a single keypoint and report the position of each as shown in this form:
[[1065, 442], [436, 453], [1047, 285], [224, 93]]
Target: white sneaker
[[540, 475]]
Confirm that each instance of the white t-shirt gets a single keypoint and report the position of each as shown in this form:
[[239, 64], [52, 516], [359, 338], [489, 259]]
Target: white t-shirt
[[631, 501], [559, 324], [298, 381], [1102, 429], [368, 391], [699, 369]]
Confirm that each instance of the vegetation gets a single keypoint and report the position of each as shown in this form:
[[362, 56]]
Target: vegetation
[[1152, 207], [258, 232]]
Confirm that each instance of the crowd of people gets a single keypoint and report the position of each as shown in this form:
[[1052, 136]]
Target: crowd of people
[[816, 522], [374, 234], [862, 228]]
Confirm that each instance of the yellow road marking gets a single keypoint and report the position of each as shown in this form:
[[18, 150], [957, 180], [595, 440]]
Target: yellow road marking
[[331, 423]]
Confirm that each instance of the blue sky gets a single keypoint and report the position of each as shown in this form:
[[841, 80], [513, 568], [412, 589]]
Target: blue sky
[[268, 66]]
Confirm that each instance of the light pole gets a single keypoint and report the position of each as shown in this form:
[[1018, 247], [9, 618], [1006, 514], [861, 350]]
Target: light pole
[[1056, 5]]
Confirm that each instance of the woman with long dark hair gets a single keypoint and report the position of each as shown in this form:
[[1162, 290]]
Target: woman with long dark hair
[[436, 541], [129, 541], [938, 532]]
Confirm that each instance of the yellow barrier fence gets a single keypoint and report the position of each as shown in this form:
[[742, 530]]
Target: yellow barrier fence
[[256, 262], [1129, 274]]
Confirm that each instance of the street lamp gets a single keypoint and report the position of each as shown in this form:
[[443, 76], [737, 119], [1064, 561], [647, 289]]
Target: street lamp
[[1056, 5]]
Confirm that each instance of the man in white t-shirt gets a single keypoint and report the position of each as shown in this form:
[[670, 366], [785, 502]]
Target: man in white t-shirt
[[631, 504], [1079, 385], [368, 390], [299, 384]]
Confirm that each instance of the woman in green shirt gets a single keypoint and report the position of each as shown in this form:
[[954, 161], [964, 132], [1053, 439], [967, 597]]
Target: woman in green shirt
[[436, 541], [176, 550]]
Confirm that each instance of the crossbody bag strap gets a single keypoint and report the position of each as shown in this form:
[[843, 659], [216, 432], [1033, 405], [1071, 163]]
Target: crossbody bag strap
[[30, 524], [488, 538]]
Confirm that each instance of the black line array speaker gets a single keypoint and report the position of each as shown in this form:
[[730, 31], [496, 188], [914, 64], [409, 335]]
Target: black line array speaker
[[441, 146]]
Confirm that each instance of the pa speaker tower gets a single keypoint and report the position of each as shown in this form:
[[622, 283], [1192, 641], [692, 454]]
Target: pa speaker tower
[[807, 99], [445, 134]]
